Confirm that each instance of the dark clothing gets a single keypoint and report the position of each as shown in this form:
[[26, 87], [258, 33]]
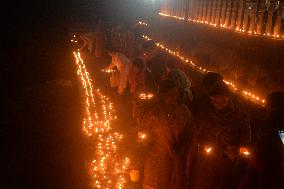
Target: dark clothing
[[266, 170], [156, 68], [224, 132], [168, 131]]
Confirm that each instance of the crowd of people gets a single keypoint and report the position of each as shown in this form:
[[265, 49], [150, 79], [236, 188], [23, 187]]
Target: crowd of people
[[202, 139]]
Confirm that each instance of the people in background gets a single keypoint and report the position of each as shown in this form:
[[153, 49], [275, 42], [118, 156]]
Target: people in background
[[122, 63], [137, 87], [220, 133], [137, 76], [202, 100], [266, 170], [184, 86], [168, 125]]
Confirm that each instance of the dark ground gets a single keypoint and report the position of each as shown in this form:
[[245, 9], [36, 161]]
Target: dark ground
[[40, 105], [253, 63], [40, 116]]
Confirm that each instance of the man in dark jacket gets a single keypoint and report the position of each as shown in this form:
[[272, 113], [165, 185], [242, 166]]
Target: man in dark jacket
[[267, 165]]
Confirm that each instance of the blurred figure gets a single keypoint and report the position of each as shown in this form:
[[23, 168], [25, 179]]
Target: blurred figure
[[88, 41], [156, 69], [202, 100], [150, 50], [122, 63], [137, 77], [168, 125], [220, 133], [267, 163], [130, 43], [101, 40], [184, 87], [137, 86]]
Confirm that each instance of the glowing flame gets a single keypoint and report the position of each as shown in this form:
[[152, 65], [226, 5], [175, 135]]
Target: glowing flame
[[208, 149], [145, 96], [222, 26], [251, 96], [107, 170], [142, 135], [109, 71], [244, 151], [142, 23]]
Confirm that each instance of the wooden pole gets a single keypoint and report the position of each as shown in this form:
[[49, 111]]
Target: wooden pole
[[228, 13], [269, 21], [213, 15], [218, 12], [234, 13], [278, 22], [205, 4], [252, 26], [240, 14], [223, 15], [260, 13], [200, 10], [209, 10]]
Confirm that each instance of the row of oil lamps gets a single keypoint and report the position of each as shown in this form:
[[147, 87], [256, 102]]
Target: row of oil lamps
[[239, 30]]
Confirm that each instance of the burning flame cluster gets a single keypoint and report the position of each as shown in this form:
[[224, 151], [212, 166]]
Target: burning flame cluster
[[146, 96], [108, 169], [142, 23], [239, 30], [247, 94], [109, 70]]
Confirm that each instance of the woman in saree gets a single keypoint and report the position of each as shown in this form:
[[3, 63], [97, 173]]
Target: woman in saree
[[168, 125]]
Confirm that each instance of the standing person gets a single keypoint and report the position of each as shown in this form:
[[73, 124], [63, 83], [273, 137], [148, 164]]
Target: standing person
[[267, 168], [137, 77], [168, 125], [156, 69], [202, 100], [184, 86], [137, 86], [122, 63], [221, 132], [101, 40]]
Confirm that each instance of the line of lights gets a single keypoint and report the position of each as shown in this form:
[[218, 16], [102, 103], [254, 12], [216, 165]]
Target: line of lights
[[246, 93], [142, 23], [108, 169], [223, 26], [109, 70], [146, 96]]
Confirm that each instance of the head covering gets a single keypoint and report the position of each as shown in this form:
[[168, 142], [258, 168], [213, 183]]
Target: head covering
[[210, 78], [219, 88], [276, 100], [165, 86], [179, 76]]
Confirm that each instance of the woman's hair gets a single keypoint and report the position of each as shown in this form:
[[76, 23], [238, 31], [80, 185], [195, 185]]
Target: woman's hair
[[138, 63], [276, 100], [219, 88], [211, 78], [179, 76], [165, 86], [149, 45]]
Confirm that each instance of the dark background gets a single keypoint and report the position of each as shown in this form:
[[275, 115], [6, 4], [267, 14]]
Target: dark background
[[40, 114]]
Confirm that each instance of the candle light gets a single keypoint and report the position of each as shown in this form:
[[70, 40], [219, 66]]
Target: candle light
[[146, 96], [222, 26], [208, 149], [108, 169], [244, 151], [249, 95]]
